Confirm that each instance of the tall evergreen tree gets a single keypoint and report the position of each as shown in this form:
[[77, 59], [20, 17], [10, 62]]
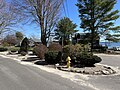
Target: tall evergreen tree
[[98, 16], [65, 28]]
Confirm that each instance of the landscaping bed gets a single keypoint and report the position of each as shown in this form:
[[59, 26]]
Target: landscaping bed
[[96, 70]]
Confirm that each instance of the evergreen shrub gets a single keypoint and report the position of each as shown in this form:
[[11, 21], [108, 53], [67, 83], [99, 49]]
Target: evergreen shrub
[[23, 53], [87, 59], [14, 49], [24, 45], [80, 54], [2, 49], [52, 57], [72, 51]]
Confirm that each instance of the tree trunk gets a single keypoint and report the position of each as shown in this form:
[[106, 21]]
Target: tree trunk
[[43, 39], [92, 26]]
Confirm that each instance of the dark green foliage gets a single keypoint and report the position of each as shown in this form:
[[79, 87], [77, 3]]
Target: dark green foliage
[[100, 49], [73, 50], [2, 49], [80, 54], [65, 28], [19, 35], [24, 45], [87, 59], [40, 50], [14, 49], [52, 57], [23, 53], [113, 37], [55, 47], [97, 17], [54, 54]]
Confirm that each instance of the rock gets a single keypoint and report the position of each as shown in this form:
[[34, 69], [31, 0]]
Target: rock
[[110, 71], [86, 72], [72, 70], [108, 67], [99, 73], [78, 71], [113, 71], [91, 72], [105, 72], [97, 70], [95, 73]]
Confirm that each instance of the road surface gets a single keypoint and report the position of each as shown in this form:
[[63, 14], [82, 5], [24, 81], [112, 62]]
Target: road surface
[[15, 76], [107, 82]]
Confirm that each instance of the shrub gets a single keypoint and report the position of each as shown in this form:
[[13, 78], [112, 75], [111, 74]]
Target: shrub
[[40, 50], [72, 51], [55, 47], [23, 53], [24, 45], [52, 57], [87, 59], [80, 54], [2, 49], [14, 49], [5, 44]]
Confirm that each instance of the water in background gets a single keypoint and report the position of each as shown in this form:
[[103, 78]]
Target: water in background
[[110, 44]]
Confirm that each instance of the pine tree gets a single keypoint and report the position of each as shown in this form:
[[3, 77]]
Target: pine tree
[[19, 35], [65, 28], [98, 16]]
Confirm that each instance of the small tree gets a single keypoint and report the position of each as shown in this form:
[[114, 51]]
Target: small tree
[[24, 45], [65, 28], [19, 37], [9, 40]]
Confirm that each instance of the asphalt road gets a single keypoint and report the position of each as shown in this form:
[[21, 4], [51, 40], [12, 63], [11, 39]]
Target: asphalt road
[[107, 82], [15, 76]]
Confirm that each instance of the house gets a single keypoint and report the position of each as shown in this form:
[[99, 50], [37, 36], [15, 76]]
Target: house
[[33, 42], [85, 38]]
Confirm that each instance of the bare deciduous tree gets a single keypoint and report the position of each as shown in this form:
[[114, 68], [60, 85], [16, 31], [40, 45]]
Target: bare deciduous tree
[[7, 17], [44, 12]]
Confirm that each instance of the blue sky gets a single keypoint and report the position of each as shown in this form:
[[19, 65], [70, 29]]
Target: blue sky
[[71, 12]]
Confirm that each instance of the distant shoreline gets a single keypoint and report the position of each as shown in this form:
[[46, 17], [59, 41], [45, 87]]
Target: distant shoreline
[[110, 44]]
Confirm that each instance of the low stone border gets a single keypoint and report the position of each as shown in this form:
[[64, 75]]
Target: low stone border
[[97, 70]]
